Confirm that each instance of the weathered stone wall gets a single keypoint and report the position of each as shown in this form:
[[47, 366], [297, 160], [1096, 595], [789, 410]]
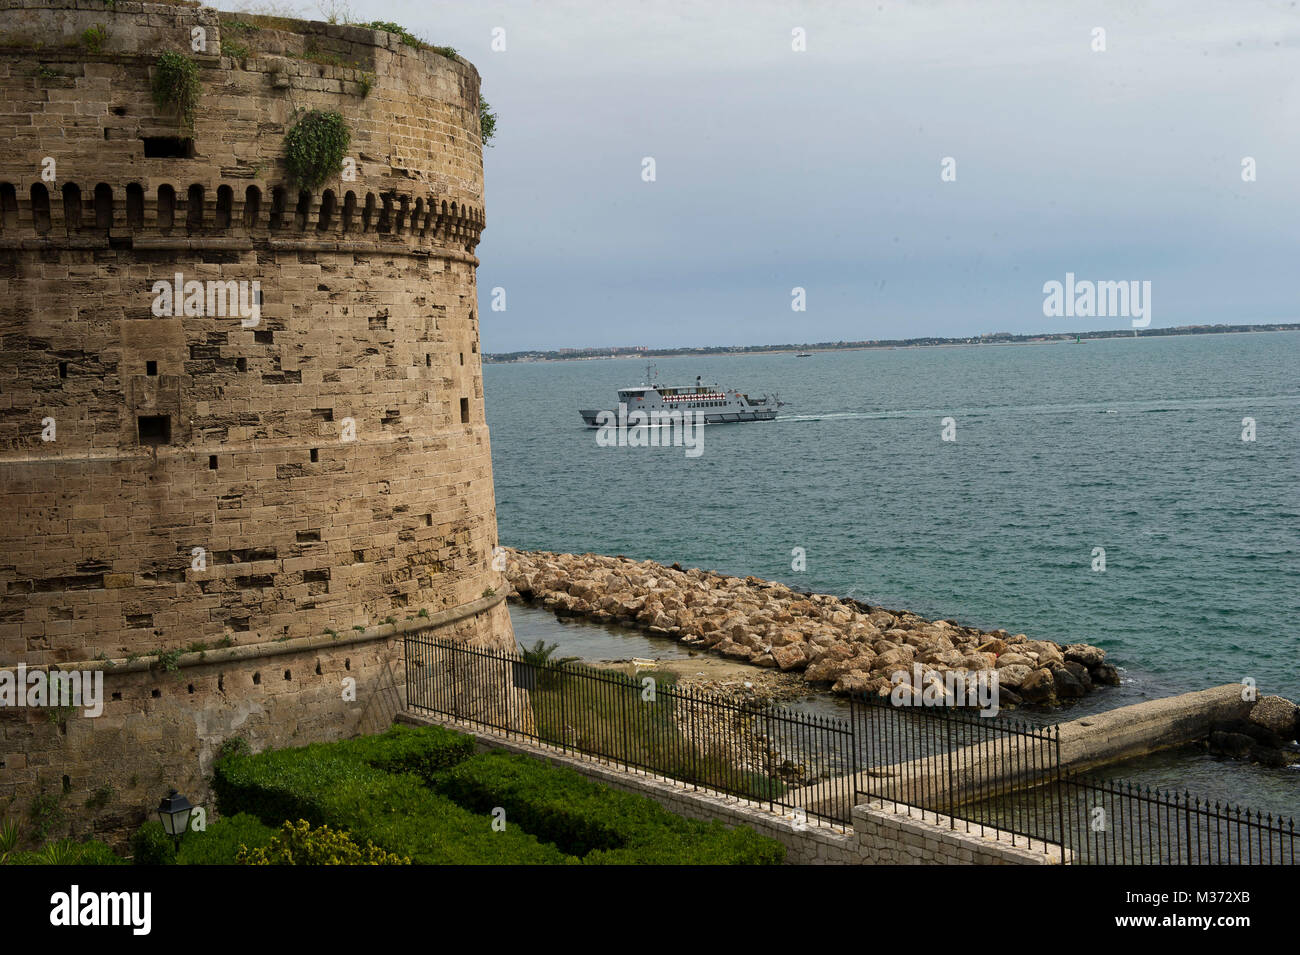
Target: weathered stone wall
[[890, 835], [331, 461]]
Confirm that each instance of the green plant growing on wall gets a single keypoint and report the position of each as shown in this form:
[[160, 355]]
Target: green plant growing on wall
[[367, 83], [487, 121], [10, 833], [232, 747], [176, 85], [45, 813], [315, 147], [407, 37], [100, 798], [93, 38]]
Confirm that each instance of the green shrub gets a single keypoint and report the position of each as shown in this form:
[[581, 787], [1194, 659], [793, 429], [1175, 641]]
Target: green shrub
[[300, 844], [314, 149], [151, 846], [221, 842], [423, 751], [68, 852], [603, 825], [340, 785], [176, 85]]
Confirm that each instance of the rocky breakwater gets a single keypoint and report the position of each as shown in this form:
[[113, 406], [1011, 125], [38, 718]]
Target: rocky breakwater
[[854, 647]]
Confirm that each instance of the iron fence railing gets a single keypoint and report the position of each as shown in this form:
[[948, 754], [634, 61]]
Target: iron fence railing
[[967, 770], [767, 754]]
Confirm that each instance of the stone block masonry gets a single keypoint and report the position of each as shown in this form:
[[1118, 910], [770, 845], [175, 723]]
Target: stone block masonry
[[238, 486]]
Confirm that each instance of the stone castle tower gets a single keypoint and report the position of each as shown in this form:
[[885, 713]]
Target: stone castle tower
[[233, 517]]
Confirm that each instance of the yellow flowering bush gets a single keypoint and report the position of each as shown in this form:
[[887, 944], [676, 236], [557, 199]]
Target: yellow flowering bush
[[299, 844]]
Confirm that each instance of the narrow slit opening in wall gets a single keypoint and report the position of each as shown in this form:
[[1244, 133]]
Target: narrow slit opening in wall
[[63, 369], [212, 462], [257, 679], [315, 454], [151, 368], [154, 429], [168, 147], [464, 411]]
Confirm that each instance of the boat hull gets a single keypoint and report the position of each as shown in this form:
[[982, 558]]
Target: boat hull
[[591, 418]]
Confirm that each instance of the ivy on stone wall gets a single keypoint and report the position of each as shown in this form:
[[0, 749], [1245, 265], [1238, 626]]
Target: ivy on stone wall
[[315, 147], [176, 85]]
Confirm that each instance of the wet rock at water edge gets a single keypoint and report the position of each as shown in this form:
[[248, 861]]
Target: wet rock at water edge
[[1276, 714]]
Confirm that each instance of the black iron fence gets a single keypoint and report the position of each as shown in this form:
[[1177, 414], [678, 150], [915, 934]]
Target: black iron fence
[[968, 770], [644, 723]]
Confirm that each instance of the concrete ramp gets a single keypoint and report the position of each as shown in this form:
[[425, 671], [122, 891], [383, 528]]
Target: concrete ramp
[[987, 769]]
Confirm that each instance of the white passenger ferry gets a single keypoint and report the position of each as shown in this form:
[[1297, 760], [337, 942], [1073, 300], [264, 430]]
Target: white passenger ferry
[[717, 405]]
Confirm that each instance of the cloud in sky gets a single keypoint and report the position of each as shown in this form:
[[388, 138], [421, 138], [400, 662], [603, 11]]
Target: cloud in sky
[[821, 168]]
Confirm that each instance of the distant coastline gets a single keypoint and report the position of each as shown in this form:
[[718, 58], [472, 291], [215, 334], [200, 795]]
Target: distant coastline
[[999, 338]]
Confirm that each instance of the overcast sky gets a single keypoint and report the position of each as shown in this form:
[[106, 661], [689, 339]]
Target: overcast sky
[[821, 168]]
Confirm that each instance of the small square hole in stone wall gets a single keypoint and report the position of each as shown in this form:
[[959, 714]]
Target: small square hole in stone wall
[[155, 429]]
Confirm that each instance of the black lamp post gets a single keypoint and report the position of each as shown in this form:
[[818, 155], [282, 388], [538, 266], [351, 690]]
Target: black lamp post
[[174, 813]]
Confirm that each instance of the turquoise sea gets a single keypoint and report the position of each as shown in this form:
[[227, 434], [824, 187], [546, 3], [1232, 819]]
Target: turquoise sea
[[1133, 445]]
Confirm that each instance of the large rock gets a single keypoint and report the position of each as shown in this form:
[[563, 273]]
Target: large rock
[[1016, 659], [1067, 685], [1085, 653], [1104, 674], [790, 656], [831, 666], [1233, 745], [1080, 673], [1038, 687], [897, 658], [1277, 715], [1013, 675]]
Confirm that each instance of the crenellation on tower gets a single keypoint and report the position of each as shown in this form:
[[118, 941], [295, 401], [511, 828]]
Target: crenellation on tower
[[237, 416]]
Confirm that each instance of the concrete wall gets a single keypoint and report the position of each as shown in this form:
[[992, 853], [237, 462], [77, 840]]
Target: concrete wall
[[985, 769]]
